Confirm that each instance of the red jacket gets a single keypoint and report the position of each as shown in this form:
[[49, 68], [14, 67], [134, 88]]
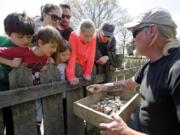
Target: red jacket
[[82, 53]]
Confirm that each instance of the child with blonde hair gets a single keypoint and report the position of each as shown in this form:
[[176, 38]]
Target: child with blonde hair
[[83, 46]]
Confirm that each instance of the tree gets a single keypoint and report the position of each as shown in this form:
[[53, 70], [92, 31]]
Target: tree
[[99, 11], [130, 48]]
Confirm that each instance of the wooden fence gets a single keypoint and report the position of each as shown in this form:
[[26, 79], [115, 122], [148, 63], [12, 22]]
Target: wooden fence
[[23, 95]]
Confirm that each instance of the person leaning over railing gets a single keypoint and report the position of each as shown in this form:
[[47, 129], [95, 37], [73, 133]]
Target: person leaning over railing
[[35, 58], [154, 35], [105, 46], [19, 29], [83, 46]]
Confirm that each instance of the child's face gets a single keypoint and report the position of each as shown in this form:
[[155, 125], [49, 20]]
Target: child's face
[[20, 40], [64, 56], [87, 34], [48, 48]]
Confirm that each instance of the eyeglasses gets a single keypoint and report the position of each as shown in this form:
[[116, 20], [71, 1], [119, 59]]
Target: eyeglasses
[[135, 32], [54, 17], [66, 16]]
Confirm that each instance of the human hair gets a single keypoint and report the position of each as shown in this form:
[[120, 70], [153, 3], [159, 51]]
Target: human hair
[[49, 34], [19, 23], [48, 8], [65, 6], [61, 48], [65, 46], [87, 24], [169, 33]]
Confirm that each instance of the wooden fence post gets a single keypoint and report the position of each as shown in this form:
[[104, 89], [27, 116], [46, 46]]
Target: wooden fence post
[[1, 123], [23, 114], [52, 105], [75, 125]]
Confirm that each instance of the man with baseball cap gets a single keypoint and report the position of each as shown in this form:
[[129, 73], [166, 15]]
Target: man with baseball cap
[[154, 36], [107, 29], [105, 44]]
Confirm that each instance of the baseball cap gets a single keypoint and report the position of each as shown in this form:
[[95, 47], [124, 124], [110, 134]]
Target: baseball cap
[[108, 29], [153, 16]]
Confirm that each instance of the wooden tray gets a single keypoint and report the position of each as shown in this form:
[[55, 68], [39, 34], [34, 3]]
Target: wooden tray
[[82, 109]]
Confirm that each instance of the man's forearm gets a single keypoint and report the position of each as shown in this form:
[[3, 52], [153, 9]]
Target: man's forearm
[[114, 86], [121, 85]]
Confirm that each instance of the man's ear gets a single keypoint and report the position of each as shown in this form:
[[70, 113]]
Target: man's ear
[[154, 29], [154, 34]]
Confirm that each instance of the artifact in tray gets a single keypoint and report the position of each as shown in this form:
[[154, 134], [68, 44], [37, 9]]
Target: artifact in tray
[[109, 104]]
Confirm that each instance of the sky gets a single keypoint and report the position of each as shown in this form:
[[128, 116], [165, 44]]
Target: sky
[[134, 7]]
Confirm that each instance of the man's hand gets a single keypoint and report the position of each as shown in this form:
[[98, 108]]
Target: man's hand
[[116, 127], [103, 60], [16, 62], [96, 88]]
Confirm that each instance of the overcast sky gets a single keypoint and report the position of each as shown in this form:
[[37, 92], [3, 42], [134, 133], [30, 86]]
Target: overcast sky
[[134, 7]]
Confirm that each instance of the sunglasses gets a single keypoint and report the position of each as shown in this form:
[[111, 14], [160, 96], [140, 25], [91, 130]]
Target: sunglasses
[[135, 32], [54, 17], [66, 16]]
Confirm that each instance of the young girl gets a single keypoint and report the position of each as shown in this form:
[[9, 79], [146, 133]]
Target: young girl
[[61, 58], [48, 39], [83, 45]]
